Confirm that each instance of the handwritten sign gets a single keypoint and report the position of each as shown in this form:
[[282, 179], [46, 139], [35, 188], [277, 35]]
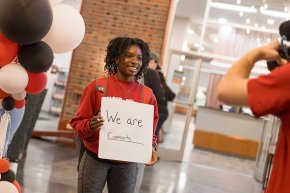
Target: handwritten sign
[[127, 132]]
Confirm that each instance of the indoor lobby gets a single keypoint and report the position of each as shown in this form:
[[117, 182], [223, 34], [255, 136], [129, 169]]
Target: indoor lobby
[[207, 146]]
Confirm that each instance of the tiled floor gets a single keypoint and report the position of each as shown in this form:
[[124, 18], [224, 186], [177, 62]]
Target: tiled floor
[[51, 168]]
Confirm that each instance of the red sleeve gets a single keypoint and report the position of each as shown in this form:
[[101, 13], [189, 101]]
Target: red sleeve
[[153, 102], [86, 110], [269, 94]]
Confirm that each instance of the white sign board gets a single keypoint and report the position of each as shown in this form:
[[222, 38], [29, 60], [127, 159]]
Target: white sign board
[[127, 132]]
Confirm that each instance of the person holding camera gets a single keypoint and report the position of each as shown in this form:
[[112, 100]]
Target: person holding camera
[[267, 94]]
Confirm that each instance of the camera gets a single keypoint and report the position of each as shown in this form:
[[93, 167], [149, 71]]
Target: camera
[[284, 49]]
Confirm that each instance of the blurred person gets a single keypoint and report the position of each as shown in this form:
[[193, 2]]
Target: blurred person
[[267, 94], [200, 100], [152, 80], [126, 60], [169, 95]]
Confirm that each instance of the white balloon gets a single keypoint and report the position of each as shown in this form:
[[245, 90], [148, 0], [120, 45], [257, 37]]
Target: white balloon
[[7, 187], [13, 78], [54, 2], [19, 96], [67, 30]]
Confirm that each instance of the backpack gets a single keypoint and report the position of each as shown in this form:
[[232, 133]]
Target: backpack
[[101, 86]]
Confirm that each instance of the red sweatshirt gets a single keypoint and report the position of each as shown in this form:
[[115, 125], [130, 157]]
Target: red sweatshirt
[[90, 105]]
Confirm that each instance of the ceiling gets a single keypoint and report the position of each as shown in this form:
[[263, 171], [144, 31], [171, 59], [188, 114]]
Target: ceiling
[[195, 9]]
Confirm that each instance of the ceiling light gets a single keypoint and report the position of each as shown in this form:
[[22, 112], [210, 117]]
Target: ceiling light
[[270, 21], [222, 20], [238, 2], [286, 9], [232, 7], [225, 29], [274, 13], [268, 40], [256, 25], [182, 58], [196, 45], [266, 6], [216, 40], [190, 31], [248, 31], [248, 21], [241, 14]]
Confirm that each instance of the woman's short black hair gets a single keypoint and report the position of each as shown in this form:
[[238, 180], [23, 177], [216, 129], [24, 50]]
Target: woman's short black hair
[[118, 47]]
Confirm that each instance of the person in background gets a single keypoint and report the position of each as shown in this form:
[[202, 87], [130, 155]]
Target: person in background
[[200, 100], [267, 94], [152, 80], [126, 60], [169, 95]]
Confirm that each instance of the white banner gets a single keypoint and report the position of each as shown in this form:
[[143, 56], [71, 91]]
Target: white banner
[[127, 132]]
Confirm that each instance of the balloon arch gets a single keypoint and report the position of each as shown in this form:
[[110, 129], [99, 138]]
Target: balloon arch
[[31, 31]]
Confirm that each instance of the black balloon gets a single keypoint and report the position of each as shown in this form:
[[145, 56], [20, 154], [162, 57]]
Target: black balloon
[[8, 103], [8, 176], [25, 21], [36, 57]]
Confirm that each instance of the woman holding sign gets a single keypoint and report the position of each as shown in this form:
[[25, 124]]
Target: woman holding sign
[[126, 60]]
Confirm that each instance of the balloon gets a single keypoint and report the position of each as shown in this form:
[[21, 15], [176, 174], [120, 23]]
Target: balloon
[[16, 116], [13, 78], [54, 2], [4, 165], [3, 94], [16, 184], [36, 57], [20, 104], [8, 103], [67, 30], [7, 187], [18, 96], [8, 176], [36, 83], [25, 21], [8, 50]]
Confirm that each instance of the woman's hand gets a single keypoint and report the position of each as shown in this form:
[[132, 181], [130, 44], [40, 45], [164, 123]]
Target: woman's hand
[[96, 122], [154, 158]]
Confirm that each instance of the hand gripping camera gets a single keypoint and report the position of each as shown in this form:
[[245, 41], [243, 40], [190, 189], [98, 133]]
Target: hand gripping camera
[[284, 49]]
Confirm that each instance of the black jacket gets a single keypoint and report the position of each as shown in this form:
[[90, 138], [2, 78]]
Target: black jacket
[[152, 80]]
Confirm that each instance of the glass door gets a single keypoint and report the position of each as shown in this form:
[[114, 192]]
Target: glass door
[[182, 76]]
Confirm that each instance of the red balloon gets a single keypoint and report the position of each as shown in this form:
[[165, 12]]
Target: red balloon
[[8, 50], [4, 165], [3, 94], [16, 184], [20, 104], [36, 82]]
